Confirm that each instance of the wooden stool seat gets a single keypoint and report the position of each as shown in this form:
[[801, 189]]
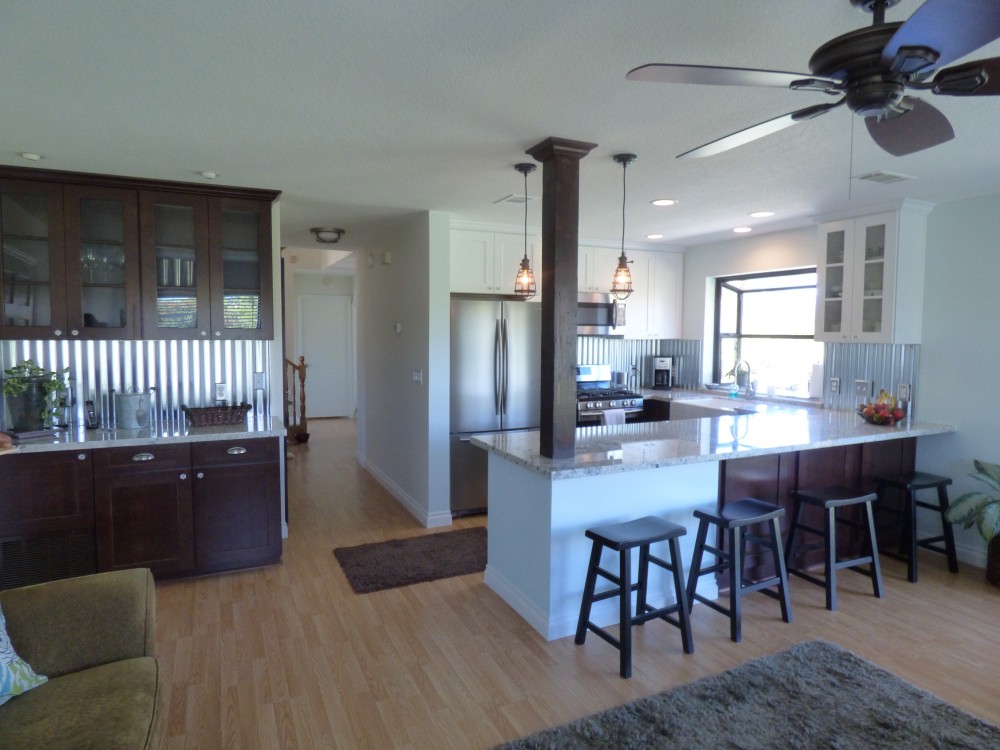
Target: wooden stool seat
[[735, 520], [623, 538], [910, 483], [830, 499]]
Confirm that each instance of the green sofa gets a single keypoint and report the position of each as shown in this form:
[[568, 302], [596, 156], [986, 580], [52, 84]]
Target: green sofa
[[93, 637]]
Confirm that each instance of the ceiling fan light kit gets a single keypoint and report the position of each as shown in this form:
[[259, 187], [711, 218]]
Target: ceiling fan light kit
[[871, 69]]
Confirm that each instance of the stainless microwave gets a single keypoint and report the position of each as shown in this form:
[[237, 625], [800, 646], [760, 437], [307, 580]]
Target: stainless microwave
[[599, 315]]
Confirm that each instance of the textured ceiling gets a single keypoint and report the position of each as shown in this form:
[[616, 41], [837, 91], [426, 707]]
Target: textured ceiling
[[362, 111]]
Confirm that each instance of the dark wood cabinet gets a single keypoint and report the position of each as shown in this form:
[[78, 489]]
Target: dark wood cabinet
[[102, 257], [144, 509], [46, 517], [237, 505]]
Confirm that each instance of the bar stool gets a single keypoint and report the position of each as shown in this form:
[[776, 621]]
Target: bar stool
[[830, 500], [910, 483], [623, 538], [736, 520]]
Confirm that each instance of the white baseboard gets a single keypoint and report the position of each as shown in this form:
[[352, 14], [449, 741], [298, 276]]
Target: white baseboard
[[428, 520]]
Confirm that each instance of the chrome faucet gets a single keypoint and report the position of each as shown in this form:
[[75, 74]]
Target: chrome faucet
[[751, 389], [634, 377]]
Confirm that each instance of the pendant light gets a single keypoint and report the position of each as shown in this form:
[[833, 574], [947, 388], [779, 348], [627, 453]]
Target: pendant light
[[621, 283], [524, 282]]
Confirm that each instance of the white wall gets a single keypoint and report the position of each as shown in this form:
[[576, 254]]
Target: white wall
[[795, 248], [403, 425], [960, 358]]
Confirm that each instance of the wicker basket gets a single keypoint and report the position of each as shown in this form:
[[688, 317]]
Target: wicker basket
[[207, 416]]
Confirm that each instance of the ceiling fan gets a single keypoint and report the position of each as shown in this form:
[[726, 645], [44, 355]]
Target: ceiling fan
[[870, 70]]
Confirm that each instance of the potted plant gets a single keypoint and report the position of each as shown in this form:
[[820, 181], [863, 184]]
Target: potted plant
[[982, 511], [31, 396]]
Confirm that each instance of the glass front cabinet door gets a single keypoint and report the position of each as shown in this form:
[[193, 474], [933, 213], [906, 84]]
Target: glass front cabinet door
[[240, 240], [31, 261]]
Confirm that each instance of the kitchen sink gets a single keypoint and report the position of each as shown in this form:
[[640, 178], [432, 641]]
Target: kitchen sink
[[656, 410]]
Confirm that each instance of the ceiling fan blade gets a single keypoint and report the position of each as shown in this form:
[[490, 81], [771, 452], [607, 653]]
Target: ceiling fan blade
[[759, 130], [976, 78], [712, 75], [922, 127], [948, 28]]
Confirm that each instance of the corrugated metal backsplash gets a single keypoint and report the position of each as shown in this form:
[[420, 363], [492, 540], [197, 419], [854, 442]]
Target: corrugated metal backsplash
[[623, 354], [887, 365], [182, 372]]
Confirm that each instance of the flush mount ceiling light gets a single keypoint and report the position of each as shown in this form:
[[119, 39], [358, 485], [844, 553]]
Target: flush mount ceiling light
[[761, 214], [664, 202], [328, 235], [621, 283], [741, 230], [524, 282]]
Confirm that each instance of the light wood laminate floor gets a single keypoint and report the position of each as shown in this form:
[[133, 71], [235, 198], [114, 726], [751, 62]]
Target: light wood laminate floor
[[289, 657]]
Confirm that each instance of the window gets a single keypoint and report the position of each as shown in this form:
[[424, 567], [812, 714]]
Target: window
[[768, 321]]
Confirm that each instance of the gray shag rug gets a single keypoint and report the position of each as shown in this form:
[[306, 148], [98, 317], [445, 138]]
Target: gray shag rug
[[814, 695], [401, 562]]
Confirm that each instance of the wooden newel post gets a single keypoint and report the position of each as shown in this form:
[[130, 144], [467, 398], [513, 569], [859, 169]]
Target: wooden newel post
[[560, 160]]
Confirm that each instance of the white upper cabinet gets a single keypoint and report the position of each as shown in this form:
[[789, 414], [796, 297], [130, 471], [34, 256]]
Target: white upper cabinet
[[595, 268], [871, 277], [653, 311], [487, 262]]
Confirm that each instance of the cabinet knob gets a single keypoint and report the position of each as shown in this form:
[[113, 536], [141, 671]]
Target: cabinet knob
[[74, 332], [218, 333], [81, 456], [143, 457], [57, 332], [200, 475], [236, 450], [204, 333], [183, 476]]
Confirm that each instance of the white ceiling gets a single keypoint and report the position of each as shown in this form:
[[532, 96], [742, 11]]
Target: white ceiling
[[365, 110]]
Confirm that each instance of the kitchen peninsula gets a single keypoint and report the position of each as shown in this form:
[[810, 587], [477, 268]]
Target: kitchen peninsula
[[540, 507]]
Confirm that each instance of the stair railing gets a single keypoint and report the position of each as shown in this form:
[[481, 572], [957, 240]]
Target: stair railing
[[295, 400]]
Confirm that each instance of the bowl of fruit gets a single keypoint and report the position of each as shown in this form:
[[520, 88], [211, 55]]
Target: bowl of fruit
[[884, 411]]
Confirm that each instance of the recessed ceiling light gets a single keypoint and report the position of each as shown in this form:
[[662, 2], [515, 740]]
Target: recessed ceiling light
[[29, 156], [741, 230], [762, 214], [663, 202], [209, 175], [654, 236]]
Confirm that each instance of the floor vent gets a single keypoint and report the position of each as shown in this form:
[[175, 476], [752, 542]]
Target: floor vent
[[884, 178]]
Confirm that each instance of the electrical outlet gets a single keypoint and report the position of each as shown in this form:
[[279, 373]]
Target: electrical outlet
[[220, 391], [903, 392], [258, 381], [417, 376], [834, 386], [863, 388]]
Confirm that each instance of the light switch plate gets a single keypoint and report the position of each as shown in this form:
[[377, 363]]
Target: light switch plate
[[220, 391], [258, 381], [903, 391], [863, 388]]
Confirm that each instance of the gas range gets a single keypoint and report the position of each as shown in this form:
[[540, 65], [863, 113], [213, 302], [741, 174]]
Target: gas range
[[595, 394]]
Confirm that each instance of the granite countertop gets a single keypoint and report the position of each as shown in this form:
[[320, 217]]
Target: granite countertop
[[77, 437], [768, 428]]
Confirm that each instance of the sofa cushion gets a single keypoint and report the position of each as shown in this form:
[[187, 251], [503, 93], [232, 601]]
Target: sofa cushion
[[110, 707], [16, 676]]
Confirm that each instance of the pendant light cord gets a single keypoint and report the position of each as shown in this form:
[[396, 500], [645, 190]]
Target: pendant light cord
[[526, 213], [624, 168]]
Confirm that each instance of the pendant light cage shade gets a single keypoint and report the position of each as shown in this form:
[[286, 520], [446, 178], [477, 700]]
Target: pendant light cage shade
[[524, 282], [621, 282]]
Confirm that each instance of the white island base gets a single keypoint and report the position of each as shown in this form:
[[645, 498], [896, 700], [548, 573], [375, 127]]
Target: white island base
[[538, 553]]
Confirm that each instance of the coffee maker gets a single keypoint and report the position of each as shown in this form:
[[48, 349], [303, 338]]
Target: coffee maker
[[662, 367]]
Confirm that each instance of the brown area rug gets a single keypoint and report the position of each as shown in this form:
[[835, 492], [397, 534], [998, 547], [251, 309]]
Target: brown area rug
[[814, 695], [401, 562]]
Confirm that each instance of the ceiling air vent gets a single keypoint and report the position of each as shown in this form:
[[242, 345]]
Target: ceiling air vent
[[884, 178], [519, 200]]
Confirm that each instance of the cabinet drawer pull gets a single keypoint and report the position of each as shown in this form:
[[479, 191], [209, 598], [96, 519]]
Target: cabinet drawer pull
[[236, 450], [200, 475], [183, 476], [143, 457]]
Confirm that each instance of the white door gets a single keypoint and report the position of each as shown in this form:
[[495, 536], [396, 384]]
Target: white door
[[326, 340]]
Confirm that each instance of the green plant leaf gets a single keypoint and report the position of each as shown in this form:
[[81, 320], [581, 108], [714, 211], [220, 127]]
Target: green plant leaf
[[966, 508], [988, 474], [989, 520]]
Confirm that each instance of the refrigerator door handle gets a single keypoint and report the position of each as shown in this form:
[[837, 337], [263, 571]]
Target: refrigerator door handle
[[497, 356], [505, 367]]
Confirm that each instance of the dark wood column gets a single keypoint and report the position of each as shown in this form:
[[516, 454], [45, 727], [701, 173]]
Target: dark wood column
[[560, 233]]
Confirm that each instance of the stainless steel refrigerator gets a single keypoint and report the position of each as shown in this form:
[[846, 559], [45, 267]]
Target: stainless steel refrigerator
[[495, 384]]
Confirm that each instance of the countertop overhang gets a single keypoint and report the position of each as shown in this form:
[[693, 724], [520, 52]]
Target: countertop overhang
[[768, 428]]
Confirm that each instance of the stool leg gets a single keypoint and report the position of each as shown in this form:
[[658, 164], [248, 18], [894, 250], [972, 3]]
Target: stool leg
[[625, 612], [830, 564], [588, 593], [736, 583], [949, 534], [699, 552], [683, 611], [792, 528], [873, 541], [779, 568], [911, 535], [640, 597]]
